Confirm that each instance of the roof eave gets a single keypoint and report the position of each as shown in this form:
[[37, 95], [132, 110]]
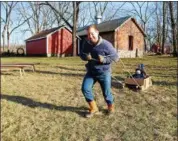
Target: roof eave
[[35, 39], [135, 23], [52, 33], [122, 24], [139, 27]]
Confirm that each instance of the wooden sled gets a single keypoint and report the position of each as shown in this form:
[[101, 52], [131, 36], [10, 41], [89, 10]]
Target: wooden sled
[[134, 82]]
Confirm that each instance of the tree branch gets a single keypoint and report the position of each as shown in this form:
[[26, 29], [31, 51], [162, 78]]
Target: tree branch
[[55, 10]]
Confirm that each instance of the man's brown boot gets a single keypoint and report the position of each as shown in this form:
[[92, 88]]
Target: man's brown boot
[[111, 109], [93, 109]]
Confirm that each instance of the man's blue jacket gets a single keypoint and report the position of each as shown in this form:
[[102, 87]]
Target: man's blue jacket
[[103, 48]]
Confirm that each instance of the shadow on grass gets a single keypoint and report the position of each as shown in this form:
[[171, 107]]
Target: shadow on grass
[[7, 73], [33, 104], [162, 75], [118, 78], [65, 74], [72, 69], [117, 82], [165, 83]]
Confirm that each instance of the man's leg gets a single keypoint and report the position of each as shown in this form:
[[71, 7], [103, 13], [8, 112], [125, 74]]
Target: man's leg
[[105, 83], [87, 87]]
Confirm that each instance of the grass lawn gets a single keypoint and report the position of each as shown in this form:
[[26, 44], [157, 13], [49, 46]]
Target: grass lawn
[[48, 105]]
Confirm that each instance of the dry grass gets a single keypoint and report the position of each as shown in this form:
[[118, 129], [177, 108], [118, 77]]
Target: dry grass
[[48, 104]]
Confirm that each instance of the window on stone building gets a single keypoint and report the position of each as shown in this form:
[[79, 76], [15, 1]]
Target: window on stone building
[[130, 42]]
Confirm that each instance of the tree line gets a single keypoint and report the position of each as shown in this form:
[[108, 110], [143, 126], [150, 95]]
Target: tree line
[[159, 20]]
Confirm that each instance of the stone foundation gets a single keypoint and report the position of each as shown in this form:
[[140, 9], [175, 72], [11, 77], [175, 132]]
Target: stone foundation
[[130, 54]]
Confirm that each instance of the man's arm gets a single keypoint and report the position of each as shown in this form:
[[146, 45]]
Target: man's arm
[[85, 54]]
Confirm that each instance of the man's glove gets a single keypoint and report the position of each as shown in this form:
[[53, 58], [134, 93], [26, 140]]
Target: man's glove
[[101, 58], [88, 57]]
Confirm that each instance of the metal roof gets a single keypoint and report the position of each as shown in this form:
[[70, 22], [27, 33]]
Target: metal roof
[[44, 33], [109, 25]]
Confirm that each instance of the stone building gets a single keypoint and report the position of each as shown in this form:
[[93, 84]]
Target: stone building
[[125, 34]]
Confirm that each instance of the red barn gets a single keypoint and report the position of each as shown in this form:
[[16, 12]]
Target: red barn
[[156, 48], [52, 42], [125, 34]]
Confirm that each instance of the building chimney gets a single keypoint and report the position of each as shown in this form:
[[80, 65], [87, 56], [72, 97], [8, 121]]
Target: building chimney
[[98, 18]]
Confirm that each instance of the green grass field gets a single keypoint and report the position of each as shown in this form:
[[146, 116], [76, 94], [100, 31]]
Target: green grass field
[[48, 105]]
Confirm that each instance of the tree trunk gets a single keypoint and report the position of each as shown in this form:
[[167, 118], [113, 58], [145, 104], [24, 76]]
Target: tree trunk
[[74, 29], [145, 38], [8, 38], [3, 39], [158, 34], [8, 7], [158, 29], [145, 45], [163, 29], [173, 29], [75, 21], [177, 26]]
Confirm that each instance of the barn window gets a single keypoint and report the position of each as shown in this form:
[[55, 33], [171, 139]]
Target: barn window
[[130, 42]]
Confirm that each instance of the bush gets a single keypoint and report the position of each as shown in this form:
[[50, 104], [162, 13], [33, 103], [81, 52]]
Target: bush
[[158, 53], [8, 53], [13, 51]]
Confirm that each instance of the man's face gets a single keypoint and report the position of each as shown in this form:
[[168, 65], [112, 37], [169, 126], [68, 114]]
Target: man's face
[[93, 35]]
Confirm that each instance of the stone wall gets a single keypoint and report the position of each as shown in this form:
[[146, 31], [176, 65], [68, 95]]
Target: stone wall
[[123, 33], [130, 54]]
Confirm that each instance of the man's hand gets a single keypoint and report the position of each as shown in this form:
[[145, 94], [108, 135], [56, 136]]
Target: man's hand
[[101, 58], [88, 57]]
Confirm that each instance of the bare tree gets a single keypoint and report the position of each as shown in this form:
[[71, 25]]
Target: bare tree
[[33, 12], [37, 17], [141, 10], [26, 15], [62, 12], [48, 20], [75, 21], [164, 24], [10, 25], [8, 7], [173, 28], [58, 13], [88, 12], [117, 10], [107, 11], [99, 9], [84, 15], [177, 26], [158, 24]]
